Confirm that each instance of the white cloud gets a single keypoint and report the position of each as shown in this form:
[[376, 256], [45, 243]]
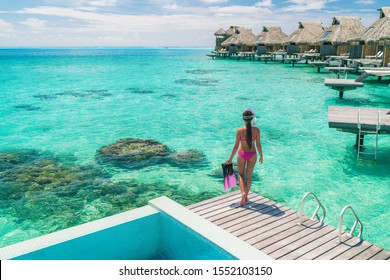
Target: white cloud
[[264, 3], [171, 6], [365, 2], [306, 5], [214, 1], [223, 15], [35, 23], [235, 10], [5, 26], [100, 3]]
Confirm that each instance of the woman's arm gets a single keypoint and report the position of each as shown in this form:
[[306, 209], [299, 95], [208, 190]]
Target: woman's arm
[[259, 148], [235, 148]]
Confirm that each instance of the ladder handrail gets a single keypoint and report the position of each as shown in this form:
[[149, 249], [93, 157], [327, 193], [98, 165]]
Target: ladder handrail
[[357, 220], [315, 214]]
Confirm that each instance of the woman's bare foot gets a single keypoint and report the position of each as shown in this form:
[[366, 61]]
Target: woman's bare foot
[[244, 199]]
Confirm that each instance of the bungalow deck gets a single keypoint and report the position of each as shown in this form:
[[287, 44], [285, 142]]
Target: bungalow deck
[[346, 119], [272, 228], [342, 85]]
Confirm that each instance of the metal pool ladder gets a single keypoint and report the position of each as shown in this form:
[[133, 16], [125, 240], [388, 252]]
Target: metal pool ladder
[[315, 214], [357, 221], [362, 132]]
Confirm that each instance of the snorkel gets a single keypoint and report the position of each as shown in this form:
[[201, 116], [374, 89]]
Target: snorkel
[[250, 117]]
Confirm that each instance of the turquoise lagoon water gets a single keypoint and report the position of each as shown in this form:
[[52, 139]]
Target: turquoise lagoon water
[[58, 106]]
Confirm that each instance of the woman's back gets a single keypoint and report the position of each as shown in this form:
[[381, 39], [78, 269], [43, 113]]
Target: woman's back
[[242, 136]]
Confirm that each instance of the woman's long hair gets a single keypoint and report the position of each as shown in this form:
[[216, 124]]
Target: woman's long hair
[[248, 117]]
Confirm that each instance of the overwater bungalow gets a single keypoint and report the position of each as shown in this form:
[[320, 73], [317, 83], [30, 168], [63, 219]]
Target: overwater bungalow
[[371, 43], [220, 36], [334, 40], [270, 39], [305, 38], [385, 43], [243, 40]]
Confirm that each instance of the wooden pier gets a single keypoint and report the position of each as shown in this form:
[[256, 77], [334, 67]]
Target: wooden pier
[[342, 85], [273, 229], [346, 119]]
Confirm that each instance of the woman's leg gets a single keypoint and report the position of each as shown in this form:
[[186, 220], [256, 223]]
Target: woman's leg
[[241, 168], [249, 171]]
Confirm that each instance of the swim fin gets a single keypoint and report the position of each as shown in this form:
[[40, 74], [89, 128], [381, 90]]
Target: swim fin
[[229, 177]]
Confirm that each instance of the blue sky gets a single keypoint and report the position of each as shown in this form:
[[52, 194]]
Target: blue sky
[[160, 22]]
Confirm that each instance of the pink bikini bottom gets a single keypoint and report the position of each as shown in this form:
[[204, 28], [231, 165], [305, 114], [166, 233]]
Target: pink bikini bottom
[[246, 155]]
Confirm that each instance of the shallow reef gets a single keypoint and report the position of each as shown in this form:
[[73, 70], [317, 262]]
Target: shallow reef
[[44, 192], [139, 90], [189, 158], [197, 82], [27, 107], [136, 153], [204, 71]]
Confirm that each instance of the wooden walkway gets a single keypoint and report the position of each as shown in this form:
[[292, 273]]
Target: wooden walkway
[[272, 228], [346, 119]]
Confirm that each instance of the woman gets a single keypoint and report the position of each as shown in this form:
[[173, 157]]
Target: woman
[[248, 136]]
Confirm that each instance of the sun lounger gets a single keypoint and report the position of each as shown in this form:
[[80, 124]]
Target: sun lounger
[[378, 55]]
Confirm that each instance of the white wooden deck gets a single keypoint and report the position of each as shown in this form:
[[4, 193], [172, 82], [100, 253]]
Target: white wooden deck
[[273, 229]]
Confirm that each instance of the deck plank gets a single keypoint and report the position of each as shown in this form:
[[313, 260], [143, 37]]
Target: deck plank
[[312, 241], [241, 213], [298, 240], [272, 228], [231, 209], [343, 117], [266, 224], [267, 239], [349, 254], [250, 218], [348, 244], [322, 249], [226, 201], [382, 255], [367, 254], [192, 207]]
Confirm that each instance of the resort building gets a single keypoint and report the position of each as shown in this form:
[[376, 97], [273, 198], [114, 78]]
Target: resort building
[[305, 38], [243, 40], [270, 39], [384, 42], [334, 40], [372, 43], [220, 36]]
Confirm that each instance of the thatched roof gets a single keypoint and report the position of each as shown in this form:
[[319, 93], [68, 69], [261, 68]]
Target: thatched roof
[[242, 36], [342, 30], [271, 35], [379, 29], [232, 30], [220, 32], [308, 32]]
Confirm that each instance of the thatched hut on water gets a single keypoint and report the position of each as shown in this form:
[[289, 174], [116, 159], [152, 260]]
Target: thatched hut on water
[[385, 43], [270, 39], [305, 38], [221, 35], [373, 40], [334, 40], [243, 40]]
